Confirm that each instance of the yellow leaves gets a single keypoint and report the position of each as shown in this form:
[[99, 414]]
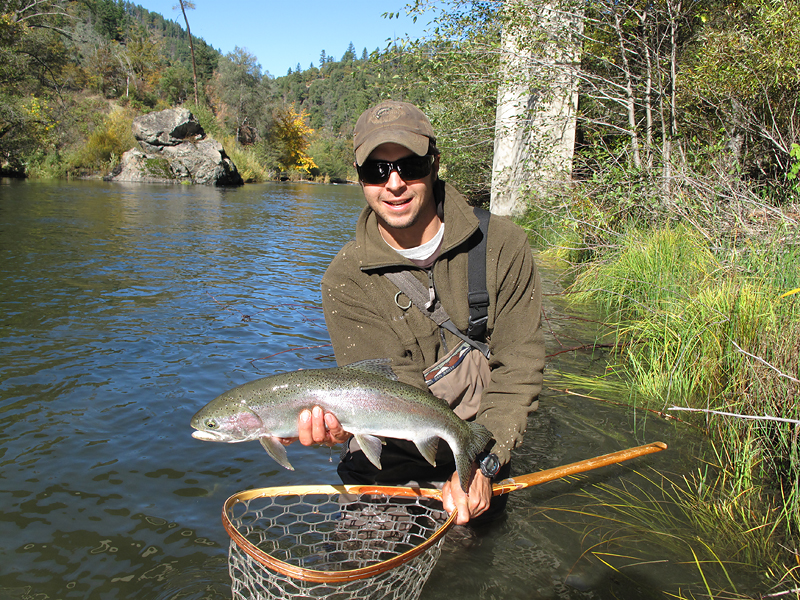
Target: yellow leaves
[[11, 29], [40, 123], [293, 134]]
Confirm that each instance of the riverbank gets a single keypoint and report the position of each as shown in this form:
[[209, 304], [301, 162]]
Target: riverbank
[[703, 310]]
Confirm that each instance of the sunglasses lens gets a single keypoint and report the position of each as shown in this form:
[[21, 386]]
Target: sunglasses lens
[[409, 169], [375, 171], [414, 167]]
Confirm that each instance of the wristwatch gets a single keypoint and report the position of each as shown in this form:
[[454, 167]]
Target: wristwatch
[[489, 464]]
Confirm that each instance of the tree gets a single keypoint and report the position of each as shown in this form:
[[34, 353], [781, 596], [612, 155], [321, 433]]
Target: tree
[[453, 75], [350, 53], [291, 135], [741, 88], [33, 58], [175, 84], [333, 156], [238, 86], [109, 18], [188, 4]]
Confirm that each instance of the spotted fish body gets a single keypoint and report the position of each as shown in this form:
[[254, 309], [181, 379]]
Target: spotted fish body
[[365, 397]]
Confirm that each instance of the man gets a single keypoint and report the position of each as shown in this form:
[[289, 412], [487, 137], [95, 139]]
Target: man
[[415, 222]]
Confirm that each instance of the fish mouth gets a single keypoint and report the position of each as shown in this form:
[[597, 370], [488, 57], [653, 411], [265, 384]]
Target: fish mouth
[[207, 436]]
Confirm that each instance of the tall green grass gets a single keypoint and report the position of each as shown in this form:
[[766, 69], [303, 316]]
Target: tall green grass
[[711, 330]]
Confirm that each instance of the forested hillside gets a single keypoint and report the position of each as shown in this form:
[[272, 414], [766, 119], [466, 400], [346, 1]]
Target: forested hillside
[[670, 94], [74, 74]]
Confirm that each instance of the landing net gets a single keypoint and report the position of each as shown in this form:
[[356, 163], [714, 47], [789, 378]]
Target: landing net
[[343, 542], [335, 542]]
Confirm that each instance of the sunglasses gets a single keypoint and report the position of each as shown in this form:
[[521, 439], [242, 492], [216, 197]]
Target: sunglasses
[[409, 169]]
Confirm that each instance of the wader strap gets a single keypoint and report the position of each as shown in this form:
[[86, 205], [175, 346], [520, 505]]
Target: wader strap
[[418, 294], [478, 295]]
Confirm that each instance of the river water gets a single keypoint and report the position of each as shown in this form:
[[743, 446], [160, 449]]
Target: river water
[[125, 308]]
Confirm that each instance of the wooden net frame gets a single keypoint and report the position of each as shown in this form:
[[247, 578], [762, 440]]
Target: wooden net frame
[[344, 541]]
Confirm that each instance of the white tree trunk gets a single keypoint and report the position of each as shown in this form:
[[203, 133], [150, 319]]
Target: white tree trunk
[[537, 103]]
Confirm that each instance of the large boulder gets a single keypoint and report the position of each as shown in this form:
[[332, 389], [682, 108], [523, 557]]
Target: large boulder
[[173, 148]]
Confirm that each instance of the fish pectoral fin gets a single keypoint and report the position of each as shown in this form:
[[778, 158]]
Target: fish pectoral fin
[[371, 446], [428, 449], [276, 450]]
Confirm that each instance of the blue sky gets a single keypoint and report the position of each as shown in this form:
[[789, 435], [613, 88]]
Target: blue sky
[[283, 34]]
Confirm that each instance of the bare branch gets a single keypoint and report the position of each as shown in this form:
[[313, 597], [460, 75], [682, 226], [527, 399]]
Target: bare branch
[[738, 416]]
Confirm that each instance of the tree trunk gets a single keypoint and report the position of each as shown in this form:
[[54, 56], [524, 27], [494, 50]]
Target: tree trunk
[[537, 102], [630, 100], [191, 48]]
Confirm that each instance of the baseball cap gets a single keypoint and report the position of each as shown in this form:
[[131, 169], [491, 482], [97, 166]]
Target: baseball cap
[[392, 121]]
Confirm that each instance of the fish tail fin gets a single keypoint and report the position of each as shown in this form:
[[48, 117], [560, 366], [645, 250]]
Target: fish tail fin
[[477, 439]]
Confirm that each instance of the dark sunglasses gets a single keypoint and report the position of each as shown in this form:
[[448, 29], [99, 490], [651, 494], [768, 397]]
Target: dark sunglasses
[[410, 168]]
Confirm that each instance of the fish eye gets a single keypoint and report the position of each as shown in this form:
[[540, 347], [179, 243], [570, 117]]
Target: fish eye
[[211, 424]]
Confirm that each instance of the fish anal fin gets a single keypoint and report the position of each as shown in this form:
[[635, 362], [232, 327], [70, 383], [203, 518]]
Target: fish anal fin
[[428, 449], [276, 450], [371, 446]]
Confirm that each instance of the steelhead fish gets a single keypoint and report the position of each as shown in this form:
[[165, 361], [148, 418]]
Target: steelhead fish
[[365, 397]]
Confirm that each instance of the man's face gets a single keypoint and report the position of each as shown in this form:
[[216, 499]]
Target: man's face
[[406, 210]]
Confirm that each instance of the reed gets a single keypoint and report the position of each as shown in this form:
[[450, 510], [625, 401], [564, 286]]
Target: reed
[[715, 331], [718, 545]]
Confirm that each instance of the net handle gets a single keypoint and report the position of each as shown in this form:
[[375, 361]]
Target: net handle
[[503, 487], [518, 483]]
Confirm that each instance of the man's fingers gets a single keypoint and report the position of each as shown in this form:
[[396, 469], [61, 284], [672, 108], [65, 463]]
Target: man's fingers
[[318, 430], [337, 433], [304, 433], [455, 499], [468, 505], [317, 427]]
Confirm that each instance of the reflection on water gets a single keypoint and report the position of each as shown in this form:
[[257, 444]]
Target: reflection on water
[[127, 307]]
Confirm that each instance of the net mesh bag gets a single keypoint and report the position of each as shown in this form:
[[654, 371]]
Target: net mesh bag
[[335, 542], [343, 542]]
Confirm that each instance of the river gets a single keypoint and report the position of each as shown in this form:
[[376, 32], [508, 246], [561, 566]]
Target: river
[[125, 308]]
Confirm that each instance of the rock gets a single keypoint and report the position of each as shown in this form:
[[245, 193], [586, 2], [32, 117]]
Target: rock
[[173, 148], [167, 128]]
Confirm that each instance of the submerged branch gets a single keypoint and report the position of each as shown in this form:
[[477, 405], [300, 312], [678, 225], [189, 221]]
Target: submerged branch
[[592, 346], [786, 593]]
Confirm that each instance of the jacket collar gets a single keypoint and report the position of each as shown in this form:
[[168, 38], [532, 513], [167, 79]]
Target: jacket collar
[[460, 223]]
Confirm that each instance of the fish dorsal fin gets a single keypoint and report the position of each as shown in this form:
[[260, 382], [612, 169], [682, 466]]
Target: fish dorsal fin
[[374, 366]]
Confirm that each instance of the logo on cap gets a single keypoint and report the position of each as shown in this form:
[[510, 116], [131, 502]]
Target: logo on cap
[[386, 114]]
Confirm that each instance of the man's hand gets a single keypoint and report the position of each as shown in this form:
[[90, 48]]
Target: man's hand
[[317, 427], [471, 504]]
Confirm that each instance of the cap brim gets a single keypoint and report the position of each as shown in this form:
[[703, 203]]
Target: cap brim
[[415, 142]]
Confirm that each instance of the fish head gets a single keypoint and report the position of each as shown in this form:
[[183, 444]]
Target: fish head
[[227, 419]]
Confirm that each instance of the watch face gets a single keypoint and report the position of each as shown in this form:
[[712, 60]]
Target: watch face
[[490, 465]]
